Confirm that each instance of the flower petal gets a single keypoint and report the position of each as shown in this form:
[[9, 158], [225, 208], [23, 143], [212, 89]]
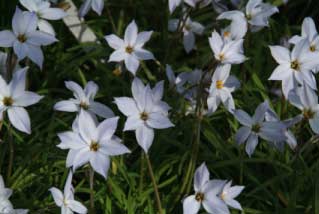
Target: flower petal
[[20, 119], [144, 137]]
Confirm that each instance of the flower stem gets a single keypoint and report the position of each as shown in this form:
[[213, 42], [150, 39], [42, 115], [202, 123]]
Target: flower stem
[[10, 64], [158, 199], [92, 190], [141, 174], [11, 153]]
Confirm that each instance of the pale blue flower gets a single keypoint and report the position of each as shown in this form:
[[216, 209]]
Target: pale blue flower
[[83, 100], [45, 12], [92, 142], [96, 5], [25, 39], [145, 112], [306, 99], [14, 98], [255, 127], [130, 50]]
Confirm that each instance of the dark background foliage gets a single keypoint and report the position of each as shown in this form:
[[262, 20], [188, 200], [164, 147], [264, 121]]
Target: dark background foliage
[[276, 182]]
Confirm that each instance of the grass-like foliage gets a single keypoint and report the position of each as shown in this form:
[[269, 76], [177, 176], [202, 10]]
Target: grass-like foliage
[[145, 177]]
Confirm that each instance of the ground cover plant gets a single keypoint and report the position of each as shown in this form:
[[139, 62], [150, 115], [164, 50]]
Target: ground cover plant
[[163, 106]]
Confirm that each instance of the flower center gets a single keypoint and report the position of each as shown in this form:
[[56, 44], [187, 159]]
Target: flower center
[[7, 101], [223, 196], [308, 114], [94, 147], [312, 48], [199, 197], [255, 128], [65, 202], [22, 38], [129, 49], [295, 65], [84, 105], [221, 57], [144, 116], [117, 72], [226, 34], [249, 17], [219, 84]]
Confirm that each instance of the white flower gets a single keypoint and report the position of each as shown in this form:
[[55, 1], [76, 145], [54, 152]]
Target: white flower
[[172, 4], [200, 3], [254, 127], [227, 52], [229, 193], [4, 192], [93, 143], [221, 88], [310, 33], [84, 99], [145, 112], [294, 67], [96, 5], [45, 12], [235, 31], [206, 194], [13, 99], [5, 205], [25, 39], [305, 99], [271, 115], [256, 14], [66, 200], [130, 50], [190, 28]]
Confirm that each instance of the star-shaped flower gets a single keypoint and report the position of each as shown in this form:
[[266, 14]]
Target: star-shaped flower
[[145, 112], [221, 88], [96, 5], [206, 194], [66, 200], [190, 28], [45, 12], [84, 100], [93, 143], [25, 39], [256, 15], [14, 98], [294, 67], [130, 50], [306, 99], [227, 52], [255, 127]]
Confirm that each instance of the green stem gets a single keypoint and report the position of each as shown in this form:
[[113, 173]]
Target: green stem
[[141, 174], [92, 208], [10, 65], [11, 152], [157, 196]]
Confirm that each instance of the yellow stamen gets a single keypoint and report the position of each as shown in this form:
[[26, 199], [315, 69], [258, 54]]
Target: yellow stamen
[[226, 34], [219, 84], [221, 57], [84, 105], [144, 116], [129, 49], [94, 147], [295, 65], [22, 38], [308, 114], [7, 101], [199, 197]]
